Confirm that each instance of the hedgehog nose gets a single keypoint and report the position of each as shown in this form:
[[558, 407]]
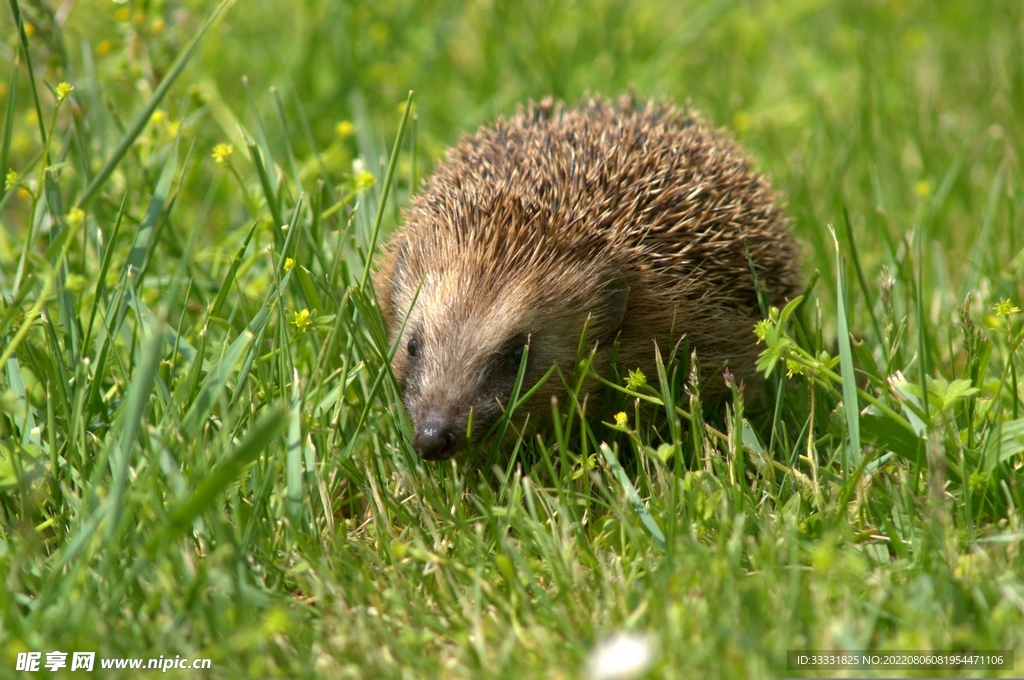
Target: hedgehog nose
[[434, 440]]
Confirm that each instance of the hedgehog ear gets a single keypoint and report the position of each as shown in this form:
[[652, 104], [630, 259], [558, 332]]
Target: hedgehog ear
[[613, 296]]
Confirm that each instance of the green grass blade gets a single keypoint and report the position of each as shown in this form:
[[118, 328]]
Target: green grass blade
[[57, 368], [852, 405], [65, 303], [5, 145], [268, 189], [293, 454], [864, 290], [100, 290], [229, 278], [147, 231], [922, 332], [389, 176]]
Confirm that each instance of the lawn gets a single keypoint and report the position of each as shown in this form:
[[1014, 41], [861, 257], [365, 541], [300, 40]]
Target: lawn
[[203, 454]]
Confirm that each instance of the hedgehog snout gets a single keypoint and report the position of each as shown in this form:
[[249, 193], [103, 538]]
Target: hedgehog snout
[[434, 440]]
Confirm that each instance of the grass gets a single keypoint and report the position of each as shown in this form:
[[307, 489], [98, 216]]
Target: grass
[[202, 452]]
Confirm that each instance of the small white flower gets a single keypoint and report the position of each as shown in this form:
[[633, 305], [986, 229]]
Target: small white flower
[[621, 657]]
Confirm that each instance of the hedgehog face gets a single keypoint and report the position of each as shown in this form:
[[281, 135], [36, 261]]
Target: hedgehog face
[[452, 397], [458, 360], [459, 356]]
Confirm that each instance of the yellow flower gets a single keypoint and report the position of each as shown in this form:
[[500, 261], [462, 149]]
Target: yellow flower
[[621, 419], [344, 129], [158, 26], [301, 319], [63, 90], [1005, 308], [158, 116], [742, 121], [220, 154], [104, 48], [365, 179], [10, 180], [76, 217], [123, 14], [76, 283], [923, 188], [288, 264]]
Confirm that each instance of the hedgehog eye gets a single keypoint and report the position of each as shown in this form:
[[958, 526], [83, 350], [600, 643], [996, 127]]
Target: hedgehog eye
[[414, 346]]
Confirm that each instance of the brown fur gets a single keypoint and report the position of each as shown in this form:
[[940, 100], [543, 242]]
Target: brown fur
[[632, 214]]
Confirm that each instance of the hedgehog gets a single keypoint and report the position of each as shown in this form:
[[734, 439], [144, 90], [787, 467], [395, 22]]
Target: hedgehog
[[633, 225]]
